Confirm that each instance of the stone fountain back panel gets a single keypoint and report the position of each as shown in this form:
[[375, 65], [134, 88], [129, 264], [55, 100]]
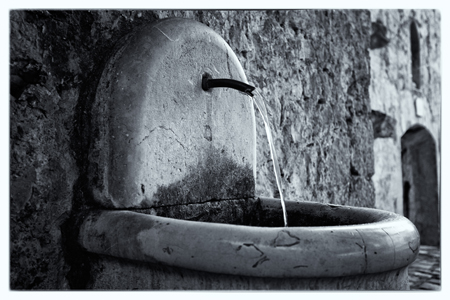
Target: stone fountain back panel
[[160, 139]]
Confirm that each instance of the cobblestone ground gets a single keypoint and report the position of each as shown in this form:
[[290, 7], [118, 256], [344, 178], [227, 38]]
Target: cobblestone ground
[[425, 272]]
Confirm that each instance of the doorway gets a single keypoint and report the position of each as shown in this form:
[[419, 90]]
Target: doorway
[[420, 183]]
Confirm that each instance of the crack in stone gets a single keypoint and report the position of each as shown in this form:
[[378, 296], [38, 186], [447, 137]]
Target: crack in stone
[[168, 250], [413, 250], [393, 245], [365, 251], [285, 239], [111, 246], [300, 266], [167, 129], [172, 40], [251, 245], [263, 259], [146, 137], [228, 63]]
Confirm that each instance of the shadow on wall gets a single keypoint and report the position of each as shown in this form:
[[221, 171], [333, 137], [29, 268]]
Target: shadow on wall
[[420, 184]]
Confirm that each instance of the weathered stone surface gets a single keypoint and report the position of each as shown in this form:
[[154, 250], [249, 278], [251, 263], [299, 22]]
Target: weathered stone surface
[[383, 125], [55, 57], [378, 241], [428, 263], [131, 275], [157, 137], [378, 37], [393, 92]]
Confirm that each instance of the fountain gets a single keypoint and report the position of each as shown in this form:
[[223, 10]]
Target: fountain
[[172, 168]]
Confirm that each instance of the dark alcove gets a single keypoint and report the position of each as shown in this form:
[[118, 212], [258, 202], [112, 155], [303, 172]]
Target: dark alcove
[[420, 183], [415, 54]]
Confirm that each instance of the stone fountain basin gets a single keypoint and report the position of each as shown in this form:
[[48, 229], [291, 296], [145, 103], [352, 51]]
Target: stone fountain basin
[[323, 240]]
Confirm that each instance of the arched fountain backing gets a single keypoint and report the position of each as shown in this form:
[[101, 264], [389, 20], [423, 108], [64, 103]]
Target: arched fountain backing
[[160, 139], [172, 167]]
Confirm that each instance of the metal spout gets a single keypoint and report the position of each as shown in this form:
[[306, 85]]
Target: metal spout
[[209, 83]]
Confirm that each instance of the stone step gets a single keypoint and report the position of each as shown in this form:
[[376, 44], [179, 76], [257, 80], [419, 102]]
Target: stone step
[[425, 272], [430, 286]]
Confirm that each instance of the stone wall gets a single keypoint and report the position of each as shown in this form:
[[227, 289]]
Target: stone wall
[[393, 92], [312, 67], [55, 60]]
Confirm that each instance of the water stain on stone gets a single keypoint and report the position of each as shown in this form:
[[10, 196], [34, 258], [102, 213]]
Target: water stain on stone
[[216, 176]]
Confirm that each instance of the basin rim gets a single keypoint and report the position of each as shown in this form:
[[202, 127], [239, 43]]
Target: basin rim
[[388, 244]]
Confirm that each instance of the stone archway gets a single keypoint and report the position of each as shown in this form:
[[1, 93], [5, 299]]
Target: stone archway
[[420, 183]]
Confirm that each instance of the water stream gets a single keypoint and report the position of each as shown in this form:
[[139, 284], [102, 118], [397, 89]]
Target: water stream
[[260, 104]]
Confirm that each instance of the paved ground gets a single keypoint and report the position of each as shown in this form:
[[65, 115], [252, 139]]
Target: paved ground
[[425, 272]]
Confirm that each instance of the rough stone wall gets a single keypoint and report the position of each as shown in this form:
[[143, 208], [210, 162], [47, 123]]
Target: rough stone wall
[[393, 93], [312, 67], [54, 62]]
